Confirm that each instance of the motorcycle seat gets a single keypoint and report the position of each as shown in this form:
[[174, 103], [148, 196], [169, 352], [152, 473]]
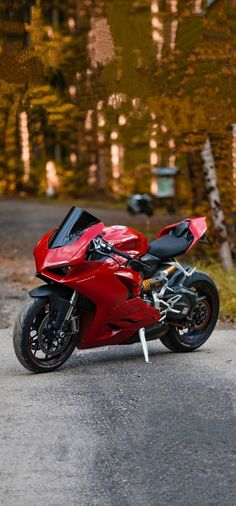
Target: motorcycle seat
[[169, 246]]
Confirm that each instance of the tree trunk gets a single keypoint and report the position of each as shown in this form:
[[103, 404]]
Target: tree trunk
[[103, 159], [196, 181], [216, 210]]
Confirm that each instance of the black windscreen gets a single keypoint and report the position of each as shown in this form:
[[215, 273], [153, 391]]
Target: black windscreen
[[73, 226]]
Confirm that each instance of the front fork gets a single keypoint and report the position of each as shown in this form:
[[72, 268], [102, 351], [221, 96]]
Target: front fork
[[70, 309], [73, 301]]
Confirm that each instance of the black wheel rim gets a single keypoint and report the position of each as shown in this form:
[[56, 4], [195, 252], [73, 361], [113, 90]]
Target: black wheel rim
[[201, 315]]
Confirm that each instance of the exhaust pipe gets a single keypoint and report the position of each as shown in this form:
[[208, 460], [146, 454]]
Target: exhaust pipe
[[151, 333]]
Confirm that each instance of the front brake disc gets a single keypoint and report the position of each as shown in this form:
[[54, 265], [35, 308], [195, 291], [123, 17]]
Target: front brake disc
[[49, 343]]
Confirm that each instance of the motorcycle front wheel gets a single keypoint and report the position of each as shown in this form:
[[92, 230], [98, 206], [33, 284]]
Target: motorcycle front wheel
[[35, 349], [204, 315]]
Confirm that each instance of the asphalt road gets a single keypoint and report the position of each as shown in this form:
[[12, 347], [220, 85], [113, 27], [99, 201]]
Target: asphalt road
[[107, 429]]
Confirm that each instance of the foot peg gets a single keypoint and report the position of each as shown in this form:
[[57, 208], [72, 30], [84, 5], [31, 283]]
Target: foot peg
[[144, 345]]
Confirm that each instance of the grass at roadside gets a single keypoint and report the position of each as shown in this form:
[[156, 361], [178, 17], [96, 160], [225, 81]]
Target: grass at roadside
[[226, 284]]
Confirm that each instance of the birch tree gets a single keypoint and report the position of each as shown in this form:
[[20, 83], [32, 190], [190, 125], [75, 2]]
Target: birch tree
[[215, 204]]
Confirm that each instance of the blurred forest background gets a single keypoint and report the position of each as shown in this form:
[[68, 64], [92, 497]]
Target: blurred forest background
[[95, 95]]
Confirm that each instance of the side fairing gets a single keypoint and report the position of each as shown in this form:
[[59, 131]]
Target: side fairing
[[119, 311]]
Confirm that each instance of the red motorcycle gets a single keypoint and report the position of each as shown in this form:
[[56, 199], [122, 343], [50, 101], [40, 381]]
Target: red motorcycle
[[109, 286]]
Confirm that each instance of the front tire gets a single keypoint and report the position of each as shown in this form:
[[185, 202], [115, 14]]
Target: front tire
[[29, 325], [185, 340]]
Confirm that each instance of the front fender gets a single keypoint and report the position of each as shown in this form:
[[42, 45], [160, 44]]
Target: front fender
[[59, 301], [51, 291]]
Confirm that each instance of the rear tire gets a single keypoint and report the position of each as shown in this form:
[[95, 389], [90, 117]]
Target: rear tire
[[26, 345], [194, 338]]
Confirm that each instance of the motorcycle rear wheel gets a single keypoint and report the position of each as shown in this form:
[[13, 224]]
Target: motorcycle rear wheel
[[29, 325], [205, 313]]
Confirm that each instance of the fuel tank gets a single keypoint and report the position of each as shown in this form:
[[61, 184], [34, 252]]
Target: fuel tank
[[126, 239]]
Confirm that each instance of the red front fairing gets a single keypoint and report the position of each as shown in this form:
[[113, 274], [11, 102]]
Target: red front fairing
[[114, 289], [46, 258]]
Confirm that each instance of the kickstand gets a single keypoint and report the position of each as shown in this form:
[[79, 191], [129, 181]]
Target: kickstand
[[144, 345]]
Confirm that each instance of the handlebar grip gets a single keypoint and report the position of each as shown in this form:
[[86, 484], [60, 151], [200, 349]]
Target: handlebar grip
[[135, 263], [121, 254]]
